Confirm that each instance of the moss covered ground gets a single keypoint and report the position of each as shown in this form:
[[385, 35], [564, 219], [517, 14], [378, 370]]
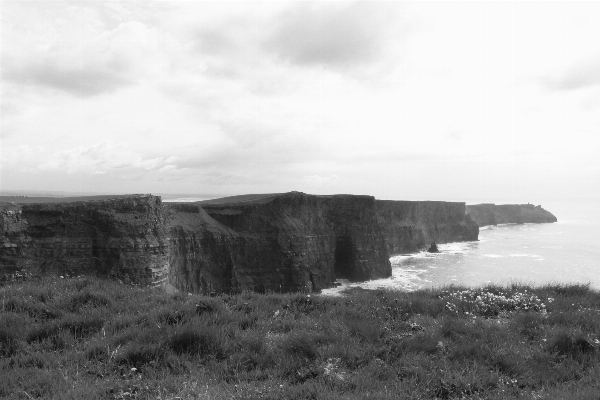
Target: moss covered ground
[[86, 338]]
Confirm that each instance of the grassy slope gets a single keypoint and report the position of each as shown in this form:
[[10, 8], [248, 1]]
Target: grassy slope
[[93, 339], [238, 199]]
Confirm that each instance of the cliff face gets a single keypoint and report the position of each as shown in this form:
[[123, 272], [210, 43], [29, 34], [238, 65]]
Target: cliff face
[[283, 242], [296, 241], [413, 225], [124, 238], [492, 214], [200, 252]]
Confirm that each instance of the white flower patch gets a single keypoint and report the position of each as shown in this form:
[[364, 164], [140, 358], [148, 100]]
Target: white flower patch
[[484, 303]]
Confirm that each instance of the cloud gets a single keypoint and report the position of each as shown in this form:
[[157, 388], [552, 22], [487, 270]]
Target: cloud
[[102, 158], [83, 59], [76, 81], [214, 42], [578, 77], [20, 156], [336, 36]]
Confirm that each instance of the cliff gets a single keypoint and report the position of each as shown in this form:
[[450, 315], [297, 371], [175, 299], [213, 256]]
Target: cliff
[[296, 241], [278, 242], [123, 238], [411, 226], [492, 214]]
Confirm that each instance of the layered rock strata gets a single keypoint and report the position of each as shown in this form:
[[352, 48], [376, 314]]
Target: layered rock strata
[[125, 238], [282, 243], [296, 241], [411, 226], [492, 214]]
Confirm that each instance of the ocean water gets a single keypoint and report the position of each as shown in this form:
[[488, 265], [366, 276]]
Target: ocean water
[[567, 251]]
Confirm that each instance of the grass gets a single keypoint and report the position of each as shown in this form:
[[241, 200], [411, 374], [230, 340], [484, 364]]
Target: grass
[[95, 339]]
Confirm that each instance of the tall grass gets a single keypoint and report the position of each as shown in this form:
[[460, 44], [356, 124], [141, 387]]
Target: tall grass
[[95, 339]]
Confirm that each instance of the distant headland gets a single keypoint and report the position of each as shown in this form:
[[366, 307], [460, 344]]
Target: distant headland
[[492, 214]]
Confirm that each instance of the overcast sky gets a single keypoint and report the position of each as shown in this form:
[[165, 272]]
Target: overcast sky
[[486, 101]]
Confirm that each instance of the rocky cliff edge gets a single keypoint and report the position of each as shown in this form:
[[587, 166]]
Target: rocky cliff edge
[[281, 242]]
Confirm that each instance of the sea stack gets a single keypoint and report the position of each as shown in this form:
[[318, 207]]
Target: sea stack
[[433, 248]]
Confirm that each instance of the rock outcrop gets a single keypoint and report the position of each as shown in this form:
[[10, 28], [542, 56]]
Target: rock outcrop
[[492, 214], [411, 226], [296, 241], [433, 248], [125, 238], [281, 243]]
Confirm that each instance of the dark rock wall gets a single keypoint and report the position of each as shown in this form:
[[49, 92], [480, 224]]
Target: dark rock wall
[[290, 242], [410, 226], [281, 243], [124, 238], [492, 214], [200, 251], [360, 246]]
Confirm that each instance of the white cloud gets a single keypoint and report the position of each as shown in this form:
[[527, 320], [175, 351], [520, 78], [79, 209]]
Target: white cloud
[[21, 155], [273, 96], [581, 76], [100, 158], [337, 35], [72, 51]]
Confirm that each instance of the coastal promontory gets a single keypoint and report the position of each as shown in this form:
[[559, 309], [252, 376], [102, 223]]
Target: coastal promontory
[[492, 214], [267, 243]]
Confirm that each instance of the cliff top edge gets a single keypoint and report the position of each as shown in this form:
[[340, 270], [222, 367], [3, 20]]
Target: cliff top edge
[[52, 200]]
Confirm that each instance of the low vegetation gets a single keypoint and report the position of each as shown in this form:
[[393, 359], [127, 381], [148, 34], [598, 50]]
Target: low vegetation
[[92, 339]]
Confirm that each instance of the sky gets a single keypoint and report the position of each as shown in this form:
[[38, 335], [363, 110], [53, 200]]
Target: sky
[[462, 101]]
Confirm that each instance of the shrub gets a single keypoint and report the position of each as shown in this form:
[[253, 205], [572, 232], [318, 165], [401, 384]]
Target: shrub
[[421, 343], [421, 303], [36, 383], [8, 342], [59, 341], [205, 306], [42, 332], [79, 300], [83, 325], [454, 328], [569, 290], [529, 324], [80, 284], [467, 350], [97, 352], [35, 360], [19, 306], [366, 329], [169, 316], [197, 341], [300, 346], [138, 356], [248, 321], [508, 364], [570, 345], [305, 303]]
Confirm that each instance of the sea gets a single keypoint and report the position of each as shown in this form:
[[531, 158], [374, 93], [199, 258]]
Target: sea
[[564, 252]]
